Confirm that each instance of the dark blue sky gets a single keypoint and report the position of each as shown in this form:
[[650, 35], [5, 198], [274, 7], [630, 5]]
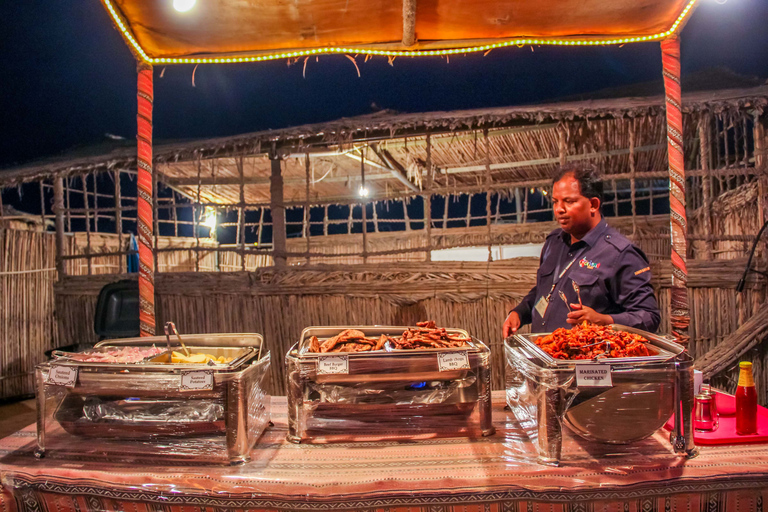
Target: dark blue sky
[[68, 78]]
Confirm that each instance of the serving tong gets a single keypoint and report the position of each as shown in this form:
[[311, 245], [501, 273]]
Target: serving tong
[[170, 326]]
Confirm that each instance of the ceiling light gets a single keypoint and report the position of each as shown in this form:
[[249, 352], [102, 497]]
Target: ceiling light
[[363, 191], [183, 5]]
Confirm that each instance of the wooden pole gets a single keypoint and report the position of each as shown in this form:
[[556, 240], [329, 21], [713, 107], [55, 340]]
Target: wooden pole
[[261, 227], [306, 208], [406, 217], [155, 219], [196, 217], [488, 192], [680, 316], [87, 209], [525, 206], [145, 215], [364, 205], [42, 211], [761, 165], [409, 22], [427, 201], [58, 210], [518, 210], [174, 208], [66, 198], [277, 208], [325, 220], [562, 144], [469, 209], [632, 169], [241, 212], [446, 199], [119, 219], [704, 158]]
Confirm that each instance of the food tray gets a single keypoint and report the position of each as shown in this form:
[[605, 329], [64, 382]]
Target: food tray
[[543, 393], [145, 402], [400, 394]]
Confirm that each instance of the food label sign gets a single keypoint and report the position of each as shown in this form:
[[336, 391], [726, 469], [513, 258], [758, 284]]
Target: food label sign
[[593, 375], [62, 376], [327, 365], [448, 361], [196, 380]]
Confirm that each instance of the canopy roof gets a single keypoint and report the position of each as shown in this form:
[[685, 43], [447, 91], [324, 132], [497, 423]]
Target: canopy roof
[[253, 30]]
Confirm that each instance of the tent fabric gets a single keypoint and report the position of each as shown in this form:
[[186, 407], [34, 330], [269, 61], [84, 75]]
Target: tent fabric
[[215, 28]]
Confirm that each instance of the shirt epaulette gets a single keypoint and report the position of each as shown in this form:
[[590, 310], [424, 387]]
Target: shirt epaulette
[[617, 240]]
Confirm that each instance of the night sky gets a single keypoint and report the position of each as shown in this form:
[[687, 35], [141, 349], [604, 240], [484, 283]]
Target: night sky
[[68, 78]]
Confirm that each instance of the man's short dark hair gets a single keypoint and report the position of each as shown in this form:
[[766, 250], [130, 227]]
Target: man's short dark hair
[[590, 184]]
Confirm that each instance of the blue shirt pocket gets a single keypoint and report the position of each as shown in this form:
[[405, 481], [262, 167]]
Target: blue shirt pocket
[[591, 289]]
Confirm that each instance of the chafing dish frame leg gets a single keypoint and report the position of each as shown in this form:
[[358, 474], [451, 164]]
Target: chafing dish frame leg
[[681, 436], [484, 389], [40, 399], [550, 428]]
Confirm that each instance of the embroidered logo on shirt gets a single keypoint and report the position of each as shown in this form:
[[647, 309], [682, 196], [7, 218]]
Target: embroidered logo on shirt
[[589, 264], [646, 269]]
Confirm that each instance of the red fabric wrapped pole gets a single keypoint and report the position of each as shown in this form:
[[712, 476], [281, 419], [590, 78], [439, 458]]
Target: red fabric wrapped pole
[[145, 224], [680, 317]]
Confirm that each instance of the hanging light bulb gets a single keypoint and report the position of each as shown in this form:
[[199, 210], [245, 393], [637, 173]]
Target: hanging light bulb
[[363, 191], [183, 5], [209, 218]]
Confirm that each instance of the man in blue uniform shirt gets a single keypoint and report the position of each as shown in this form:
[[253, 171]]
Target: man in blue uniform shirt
[[613, 276]]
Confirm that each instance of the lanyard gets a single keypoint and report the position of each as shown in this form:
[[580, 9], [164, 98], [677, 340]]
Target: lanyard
[[561, 274]]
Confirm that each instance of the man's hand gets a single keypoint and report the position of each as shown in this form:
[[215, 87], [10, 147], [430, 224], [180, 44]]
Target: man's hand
[[511, 324], [581, 313]]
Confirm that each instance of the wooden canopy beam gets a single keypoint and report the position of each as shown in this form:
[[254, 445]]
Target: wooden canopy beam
[[396, 168], [409, 23]]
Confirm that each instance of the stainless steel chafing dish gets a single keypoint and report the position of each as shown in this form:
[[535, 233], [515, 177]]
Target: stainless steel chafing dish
[[543, 394], [388, 393], [145, 403]]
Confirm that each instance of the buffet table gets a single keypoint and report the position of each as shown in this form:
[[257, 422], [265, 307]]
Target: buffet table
[[494, 473]]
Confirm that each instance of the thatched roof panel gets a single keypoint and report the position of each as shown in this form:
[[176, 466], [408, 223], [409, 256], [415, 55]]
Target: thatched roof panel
[[523, 144]]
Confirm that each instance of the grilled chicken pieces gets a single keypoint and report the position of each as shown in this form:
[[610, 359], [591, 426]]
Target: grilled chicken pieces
[[424, 335]]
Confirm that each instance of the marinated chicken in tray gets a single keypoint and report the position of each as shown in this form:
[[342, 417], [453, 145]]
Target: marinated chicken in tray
[[589, 341], [348, 340], [427, 335]]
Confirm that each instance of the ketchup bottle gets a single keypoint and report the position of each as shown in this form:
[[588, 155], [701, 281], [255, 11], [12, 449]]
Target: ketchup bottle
[[746, 401]]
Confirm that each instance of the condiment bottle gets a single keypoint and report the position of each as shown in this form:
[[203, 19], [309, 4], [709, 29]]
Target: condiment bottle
[[746, 401]]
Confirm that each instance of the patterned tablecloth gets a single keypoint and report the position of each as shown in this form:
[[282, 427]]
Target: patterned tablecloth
[[495, 473]]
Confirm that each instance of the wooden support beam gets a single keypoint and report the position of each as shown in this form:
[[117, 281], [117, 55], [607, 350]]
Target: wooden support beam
[[428, 199], [405, 215], [761, 164], [119, 219], [488, 192], [241, 212], [396, 168], [58, 210], [305, 225], [632, 170], [409, 22], [277, 208], [704, 159], [84, 182]]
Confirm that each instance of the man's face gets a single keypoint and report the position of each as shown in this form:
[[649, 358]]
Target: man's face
[[574, 212]]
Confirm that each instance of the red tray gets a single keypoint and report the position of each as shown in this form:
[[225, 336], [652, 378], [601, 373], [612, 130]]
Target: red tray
[[726, 431]]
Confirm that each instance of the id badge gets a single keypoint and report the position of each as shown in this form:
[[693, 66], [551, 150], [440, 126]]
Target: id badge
[[541, 306]]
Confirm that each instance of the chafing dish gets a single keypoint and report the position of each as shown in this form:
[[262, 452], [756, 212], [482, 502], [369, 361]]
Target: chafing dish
[[217, 411], [390, 393], [543, 393]]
